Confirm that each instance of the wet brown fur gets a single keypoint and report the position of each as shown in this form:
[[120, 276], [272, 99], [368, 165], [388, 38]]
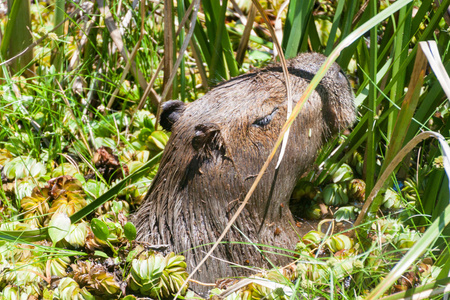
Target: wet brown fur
[[215, 152]]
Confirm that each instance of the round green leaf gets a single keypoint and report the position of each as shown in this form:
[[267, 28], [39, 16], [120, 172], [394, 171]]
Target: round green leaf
[[100, 229], [130, 231]]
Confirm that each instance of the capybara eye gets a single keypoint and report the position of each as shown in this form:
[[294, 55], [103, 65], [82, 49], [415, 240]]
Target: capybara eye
[[261, 122]]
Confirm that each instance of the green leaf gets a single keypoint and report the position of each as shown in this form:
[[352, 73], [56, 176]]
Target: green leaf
[[130, 231], [100, 229], [59, 227], [131, 255], [101, 254], [344, 173], [158, 140], [144, 134], [116, 206], [259, 56]]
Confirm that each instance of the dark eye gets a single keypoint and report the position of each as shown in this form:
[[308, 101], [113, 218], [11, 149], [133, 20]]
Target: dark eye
[[261, 122]]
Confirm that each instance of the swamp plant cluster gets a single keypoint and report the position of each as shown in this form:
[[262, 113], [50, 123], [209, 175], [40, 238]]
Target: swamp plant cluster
[[105, 260]]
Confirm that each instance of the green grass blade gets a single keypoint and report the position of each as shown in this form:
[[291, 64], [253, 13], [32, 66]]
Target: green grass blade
[[401, 43], [170, 49], [371, 147], [24, 235], [218, 12], [243, 44], [299, 13], [17, 37], [115, 189], [58, 55], [408, 108], [181, 11], [336, 20]]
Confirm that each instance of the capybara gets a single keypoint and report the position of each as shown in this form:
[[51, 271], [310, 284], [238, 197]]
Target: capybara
[[217, 147]]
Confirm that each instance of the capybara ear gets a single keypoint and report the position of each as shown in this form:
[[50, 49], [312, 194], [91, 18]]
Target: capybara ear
[[204, 134], [171, 111]]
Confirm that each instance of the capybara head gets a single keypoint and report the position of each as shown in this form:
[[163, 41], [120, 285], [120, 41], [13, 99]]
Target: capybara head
[[217, 147]]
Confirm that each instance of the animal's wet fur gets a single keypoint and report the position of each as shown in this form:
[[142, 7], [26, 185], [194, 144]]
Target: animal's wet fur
[[217, 147]]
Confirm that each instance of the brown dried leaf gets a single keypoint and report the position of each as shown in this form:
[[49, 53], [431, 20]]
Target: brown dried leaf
[[108, 164]]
